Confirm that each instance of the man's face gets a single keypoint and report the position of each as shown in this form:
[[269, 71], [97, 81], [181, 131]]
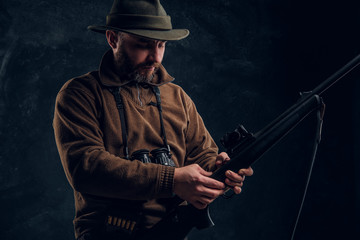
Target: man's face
[[138, 58]]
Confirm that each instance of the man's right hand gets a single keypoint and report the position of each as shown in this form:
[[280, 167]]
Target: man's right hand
[[192, 183]]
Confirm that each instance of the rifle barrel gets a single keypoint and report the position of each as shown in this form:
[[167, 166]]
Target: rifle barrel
[[351, 65], [337, 75]]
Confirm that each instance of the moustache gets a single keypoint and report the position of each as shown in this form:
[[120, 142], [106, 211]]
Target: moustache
[[148, 64]]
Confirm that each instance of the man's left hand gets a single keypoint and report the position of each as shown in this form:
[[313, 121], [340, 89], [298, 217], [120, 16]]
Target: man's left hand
[[234, 180]]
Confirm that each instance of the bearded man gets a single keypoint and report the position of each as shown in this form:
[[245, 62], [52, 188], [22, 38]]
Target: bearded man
[[129, 139]]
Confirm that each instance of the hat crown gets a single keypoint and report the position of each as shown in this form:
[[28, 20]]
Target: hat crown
[[145, 18], [138, 7]]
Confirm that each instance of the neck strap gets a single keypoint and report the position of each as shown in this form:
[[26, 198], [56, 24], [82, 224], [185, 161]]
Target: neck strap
[[158, 104], [120, 106]]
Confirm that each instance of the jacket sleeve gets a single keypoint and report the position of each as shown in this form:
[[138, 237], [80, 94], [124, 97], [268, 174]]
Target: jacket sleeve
[[201, 148], [91, 169]]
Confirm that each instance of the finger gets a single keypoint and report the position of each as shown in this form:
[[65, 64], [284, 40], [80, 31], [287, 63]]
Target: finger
[[222, 158], [234, 176], [246, 171], [233, 184], [205, 200], [211, 193], [209, 196], [218, 162], [212, 183], [203, 172], [199, 205], [237, 190]]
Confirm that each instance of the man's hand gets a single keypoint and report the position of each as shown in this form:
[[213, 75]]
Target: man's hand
[[192, 183], [234, 180]]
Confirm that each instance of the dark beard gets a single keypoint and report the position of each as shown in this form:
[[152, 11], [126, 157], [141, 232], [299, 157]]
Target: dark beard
[[127, 70]]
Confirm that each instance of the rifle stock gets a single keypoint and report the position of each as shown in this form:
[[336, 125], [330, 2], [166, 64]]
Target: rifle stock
[[244, 149]]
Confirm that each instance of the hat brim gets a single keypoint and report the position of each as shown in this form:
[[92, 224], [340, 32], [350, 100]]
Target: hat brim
[[165, 35]]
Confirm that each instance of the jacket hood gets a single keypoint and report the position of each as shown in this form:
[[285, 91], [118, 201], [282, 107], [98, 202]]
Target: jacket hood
[[109, 77]]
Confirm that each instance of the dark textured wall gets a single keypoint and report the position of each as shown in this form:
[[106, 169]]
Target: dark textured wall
[[244, 62]]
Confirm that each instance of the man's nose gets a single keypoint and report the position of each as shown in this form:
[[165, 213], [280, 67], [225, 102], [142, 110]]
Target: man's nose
[[156, 54]]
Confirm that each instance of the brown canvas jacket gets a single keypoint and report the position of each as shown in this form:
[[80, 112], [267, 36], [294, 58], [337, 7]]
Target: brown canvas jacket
[[89, 140]]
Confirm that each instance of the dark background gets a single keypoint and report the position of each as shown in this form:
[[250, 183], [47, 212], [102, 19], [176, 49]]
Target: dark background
[[244, 62]]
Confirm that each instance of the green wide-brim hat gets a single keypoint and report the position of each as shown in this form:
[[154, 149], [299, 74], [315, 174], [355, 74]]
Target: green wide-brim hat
[[145, 18]]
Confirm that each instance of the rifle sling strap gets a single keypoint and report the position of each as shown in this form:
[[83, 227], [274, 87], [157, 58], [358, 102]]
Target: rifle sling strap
[[319, 115]]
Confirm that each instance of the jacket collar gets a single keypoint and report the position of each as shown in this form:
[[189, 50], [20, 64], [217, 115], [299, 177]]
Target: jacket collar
[[109, 78]]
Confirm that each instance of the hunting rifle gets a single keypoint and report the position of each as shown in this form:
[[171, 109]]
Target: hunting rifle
[[244, 149]]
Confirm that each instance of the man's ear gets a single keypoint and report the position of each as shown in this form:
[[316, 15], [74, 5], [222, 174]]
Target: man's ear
[[112, 38]]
